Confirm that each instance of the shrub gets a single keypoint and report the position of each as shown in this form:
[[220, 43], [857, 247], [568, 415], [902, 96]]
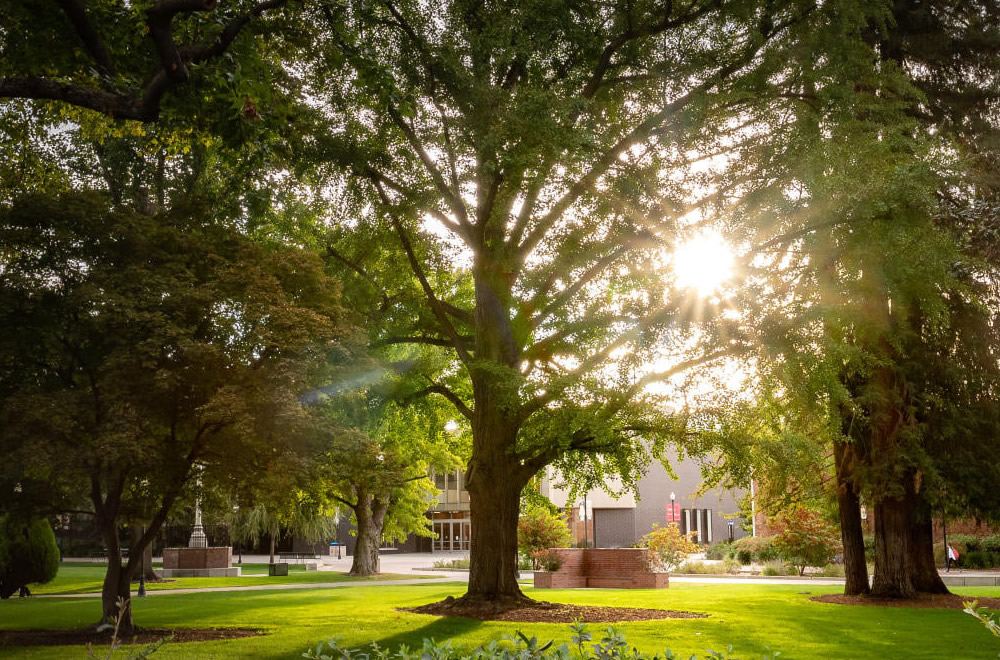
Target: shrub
[[546, 560], [28, 553], [539, 529], [720, 550], [832, 570], [668, 548], [976, 559], [750, 549], [452, 563], [725, 567], [869, 549], [805, 539], [612, 646]]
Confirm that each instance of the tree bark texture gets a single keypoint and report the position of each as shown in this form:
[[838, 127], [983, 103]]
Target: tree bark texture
[[117, 581], [849, 508], [370, 514], [893, 518], [146, 565], [495, 479], [924, 572]]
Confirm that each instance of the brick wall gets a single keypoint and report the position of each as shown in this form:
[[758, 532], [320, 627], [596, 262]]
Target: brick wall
[[610, 568], [217, 557]]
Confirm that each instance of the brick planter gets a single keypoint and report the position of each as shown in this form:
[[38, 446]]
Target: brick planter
[[199, 562], [607, 568]]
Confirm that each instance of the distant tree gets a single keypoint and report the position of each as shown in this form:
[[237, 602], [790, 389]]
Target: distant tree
[[281, 508], [540, 528], [138, 347], [376, 459], [28, 553]]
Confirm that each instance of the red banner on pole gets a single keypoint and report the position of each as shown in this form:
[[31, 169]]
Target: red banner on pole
[[673, 512]]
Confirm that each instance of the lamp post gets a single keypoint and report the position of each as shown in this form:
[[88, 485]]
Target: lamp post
[[673, 510], [239, 546], [730, 531], [142, 569]]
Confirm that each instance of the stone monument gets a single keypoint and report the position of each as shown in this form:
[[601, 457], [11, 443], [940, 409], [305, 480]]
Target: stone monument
[[198, 559]]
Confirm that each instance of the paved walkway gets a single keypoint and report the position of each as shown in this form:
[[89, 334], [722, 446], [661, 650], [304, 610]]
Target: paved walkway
[[422, 564]]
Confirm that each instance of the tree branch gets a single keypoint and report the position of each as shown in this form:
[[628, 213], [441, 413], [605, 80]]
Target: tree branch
[[436, 306], [172, 67], [92, 41], [436, 388]]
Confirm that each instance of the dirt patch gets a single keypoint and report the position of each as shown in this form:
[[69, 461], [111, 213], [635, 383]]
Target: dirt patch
[[543, 612], [145, 636], [922, 601]]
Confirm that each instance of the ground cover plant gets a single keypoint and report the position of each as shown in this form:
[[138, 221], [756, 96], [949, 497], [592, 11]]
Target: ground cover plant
[[751, 617]]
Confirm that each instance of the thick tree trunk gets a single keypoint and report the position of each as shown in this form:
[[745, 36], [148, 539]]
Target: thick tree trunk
[[370, 514], [117, 587], [893, 517], [851, 533], [273, 536], [924, 573], [146, 565], [495, 508], [495, 479]]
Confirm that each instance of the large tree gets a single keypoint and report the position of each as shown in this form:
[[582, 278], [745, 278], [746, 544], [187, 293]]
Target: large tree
[[528, 167], [876, 303], [137, 347]]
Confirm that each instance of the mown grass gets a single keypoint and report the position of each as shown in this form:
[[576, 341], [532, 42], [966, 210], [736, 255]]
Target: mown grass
[[83, 578], [751, 617]]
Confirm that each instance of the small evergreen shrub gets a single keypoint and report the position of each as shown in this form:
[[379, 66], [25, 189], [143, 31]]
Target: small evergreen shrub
[[28, 553]]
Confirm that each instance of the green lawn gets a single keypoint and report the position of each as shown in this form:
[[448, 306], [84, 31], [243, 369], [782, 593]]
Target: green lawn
[[748, 616], [82, 578]]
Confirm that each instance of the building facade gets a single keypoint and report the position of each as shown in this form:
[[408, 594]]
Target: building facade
[[608, 522]]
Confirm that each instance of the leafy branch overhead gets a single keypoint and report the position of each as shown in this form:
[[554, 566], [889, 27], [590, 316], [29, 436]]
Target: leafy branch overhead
[[113, 75]]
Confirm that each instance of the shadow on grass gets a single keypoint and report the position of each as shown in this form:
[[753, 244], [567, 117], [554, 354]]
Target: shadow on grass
[[440, 629]]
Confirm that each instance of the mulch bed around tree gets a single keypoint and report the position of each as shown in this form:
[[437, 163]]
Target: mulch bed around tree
[[145, 636], [543, 612], [922, 601]]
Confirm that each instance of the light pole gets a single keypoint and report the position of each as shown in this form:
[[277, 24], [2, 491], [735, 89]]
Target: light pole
[[673, 514], [730, 531], [142, 569], [239, 546]]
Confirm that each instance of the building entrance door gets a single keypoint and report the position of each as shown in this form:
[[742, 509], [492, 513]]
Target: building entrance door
[[452, 535]]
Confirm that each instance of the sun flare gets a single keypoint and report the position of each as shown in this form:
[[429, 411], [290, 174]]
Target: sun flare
[[703, 262]]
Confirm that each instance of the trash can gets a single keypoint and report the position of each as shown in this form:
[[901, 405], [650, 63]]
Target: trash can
[[335, 549]]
